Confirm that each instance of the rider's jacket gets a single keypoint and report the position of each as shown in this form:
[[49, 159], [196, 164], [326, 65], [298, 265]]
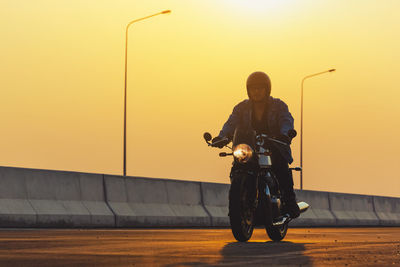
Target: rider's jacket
[[279, 121]]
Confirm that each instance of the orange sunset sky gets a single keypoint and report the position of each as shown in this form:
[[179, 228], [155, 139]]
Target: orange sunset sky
[[61, 85]]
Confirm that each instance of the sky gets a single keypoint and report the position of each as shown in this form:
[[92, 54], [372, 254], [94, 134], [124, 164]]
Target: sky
[[62, 80]]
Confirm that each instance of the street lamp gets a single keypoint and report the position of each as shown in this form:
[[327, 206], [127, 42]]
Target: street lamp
[[126, 72], [301, 123]]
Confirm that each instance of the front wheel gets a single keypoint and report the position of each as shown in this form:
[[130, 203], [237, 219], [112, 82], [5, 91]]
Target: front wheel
[[277, 233], [242, 198]]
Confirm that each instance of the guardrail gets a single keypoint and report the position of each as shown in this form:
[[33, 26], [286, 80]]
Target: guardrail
[[45, 198]]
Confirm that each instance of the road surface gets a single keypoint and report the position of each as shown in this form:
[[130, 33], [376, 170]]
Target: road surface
[[199, 247]]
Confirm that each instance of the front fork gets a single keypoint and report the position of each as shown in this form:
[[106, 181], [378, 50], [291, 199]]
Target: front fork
[[269, 187], [251, 185]]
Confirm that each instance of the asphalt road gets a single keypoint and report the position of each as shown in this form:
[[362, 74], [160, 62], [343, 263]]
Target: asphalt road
[[200, 247]]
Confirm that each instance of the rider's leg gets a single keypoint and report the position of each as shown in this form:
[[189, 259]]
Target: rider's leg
[[281, 169]]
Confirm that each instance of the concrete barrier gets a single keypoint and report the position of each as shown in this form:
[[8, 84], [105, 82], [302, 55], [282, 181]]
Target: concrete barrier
[[43, 198], [93, 198], [351, 209], [319, 213], [144, 202], [215, 200], [15, 209], [388, 210]]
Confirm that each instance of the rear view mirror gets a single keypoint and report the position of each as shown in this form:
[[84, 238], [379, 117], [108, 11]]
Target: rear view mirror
[[207, 136]]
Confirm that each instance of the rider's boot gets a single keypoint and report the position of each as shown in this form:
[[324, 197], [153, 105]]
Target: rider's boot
[[289, 203]]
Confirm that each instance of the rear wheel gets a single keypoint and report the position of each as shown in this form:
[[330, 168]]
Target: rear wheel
[[242, 206], [277, 233]]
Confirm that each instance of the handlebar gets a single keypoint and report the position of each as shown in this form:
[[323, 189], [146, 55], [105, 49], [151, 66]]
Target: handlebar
[[222, 140], [207, 136], [272, 139]]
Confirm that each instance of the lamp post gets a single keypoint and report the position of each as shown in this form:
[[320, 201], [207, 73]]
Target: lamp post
[[126, 72], [301, 122]]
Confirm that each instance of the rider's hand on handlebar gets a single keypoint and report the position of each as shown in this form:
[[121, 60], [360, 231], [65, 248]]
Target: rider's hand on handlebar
[[285, 138], [221, 143]]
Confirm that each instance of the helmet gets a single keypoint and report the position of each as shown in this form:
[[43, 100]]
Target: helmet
[[260, 79]]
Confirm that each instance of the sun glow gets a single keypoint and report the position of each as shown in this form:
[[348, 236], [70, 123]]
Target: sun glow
[[258, 6]]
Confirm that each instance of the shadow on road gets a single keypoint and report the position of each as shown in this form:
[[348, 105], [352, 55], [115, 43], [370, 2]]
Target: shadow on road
[[256, 254], [264, 253]]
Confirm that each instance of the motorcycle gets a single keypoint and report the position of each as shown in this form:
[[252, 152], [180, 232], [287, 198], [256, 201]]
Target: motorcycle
[[254, 195]]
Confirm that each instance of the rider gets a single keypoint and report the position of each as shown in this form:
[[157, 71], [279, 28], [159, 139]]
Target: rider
[[269, 115]]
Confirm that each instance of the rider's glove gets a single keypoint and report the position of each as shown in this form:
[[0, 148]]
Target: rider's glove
[[220, 144]]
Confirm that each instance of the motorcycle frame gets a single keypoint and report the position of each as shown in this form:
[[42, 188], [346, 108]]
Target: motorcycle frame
[[267, 199]]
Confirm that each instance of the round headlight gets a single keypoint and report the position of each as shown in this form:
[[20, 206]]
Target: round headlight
[[242, 153]]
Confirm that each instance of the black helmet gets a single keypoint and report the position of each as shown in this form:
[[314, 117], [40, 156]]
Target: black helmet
[[261, 79]]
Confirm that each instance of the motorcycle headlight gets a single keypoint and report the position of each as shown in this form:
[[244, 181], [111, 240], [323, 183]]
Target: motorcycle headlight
[[242, 153]]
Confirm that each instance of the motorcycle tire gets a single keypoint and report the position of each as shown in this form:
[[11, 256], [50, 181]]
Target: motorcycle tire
[[277, 233], [241, 219]]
